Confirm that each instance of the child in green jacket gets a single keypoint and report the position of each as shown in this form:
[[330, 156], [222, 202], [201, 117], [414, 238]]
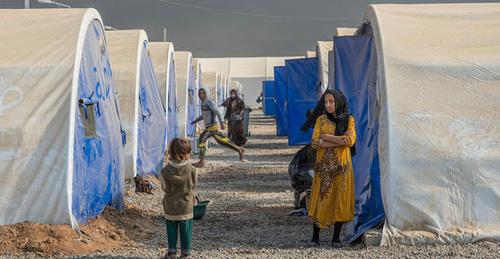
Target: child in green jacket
[[178, 180]]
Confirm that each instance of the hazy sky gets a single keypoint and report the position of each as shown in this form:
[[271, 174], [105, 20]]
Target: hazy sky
[[218, 28]]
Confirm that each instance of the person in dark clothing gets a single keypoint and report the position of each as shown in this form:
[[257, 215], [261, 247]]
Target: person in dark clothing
[[259, 99], [212, 118], [235, 107]]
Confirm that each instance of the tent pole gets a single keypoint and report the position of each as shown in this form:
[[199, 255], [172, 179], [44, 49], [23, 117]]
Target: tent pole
[[164, 34]]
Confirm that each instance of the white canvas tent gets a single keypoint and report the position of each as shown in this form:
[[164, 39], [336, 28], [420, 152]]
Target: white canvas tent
[[322, 50], [219, 92], [162, 56], [197, 103], [210, 84], [199, 83], [143, 114], [236, 85], [439, 95], [225, 92], [185, 92], [343, 31], [248, 71], [61, 152]]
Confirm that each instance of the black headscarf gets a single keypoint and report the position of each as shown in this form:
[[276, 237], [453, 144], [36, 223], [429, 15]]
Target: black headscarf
[[340, 118]]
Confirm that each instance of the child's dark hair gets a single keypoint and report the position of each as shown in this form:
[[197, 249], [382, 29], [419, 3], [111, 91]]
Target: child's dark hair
[[179, 149]]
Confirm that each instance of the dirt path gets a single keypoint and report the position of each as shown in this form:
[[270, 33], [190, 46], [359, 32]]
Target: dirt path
[[247, 217]]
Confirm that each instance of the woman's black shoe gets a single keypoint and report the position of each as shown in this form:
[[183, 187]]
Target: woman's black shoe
[[314, 243], [337, 245]]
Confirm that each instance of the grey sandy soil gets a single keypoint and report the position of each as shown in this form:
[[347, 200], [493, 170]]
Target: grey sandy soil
[[247, 216]]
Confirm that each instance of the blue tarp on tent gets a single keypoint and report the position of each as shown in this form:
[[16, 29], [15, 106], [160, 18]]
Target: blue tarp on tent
[[355, 76], [171, 110], [281, 101], [98, 156], [302, 84], [268, 97], [152, 128], [191, 128]]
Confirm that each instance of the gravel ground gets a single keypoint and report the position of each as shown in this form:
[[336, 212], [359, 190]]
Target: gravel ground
[[247, 216]]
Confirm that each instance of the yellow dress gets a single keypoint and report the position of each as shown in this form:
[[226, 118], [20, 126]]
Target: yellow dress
[[332, 194]]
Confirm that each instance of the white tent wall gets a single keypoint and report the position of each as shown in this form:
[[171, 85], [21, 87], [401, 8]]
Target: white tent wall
[[162, 56], [45, 53], [248, 71], [143, 113], [183, 70], [236, 85], [125, 55], [322, 50], [210, 84], [219, 65], [218, 96], [343, 31], [439, 101], [199, 83]]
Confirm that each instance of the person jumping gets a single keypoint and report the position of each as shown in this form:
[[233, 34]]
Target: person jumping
[[209, 113]]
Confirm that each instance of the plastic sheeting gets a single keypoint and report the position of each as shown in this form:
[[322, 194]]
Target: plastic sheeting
[[331, 70], [250, 71], [281, 101], [322, 50], [198, 78], [143, 114], [439, 95], [302, 84], [162, 56], [185, 91], [356, 76], [54, 170], [210, 84], [152, 126], [199, 84], [310, 54], [220, 90], [343, 31], [268, 98]]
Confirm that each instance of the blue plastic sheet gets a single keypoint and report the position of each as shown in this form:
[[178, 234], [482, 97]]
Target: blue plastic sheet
[[98, 158], [268, 98], [152, 126], [191, 109], [331, 70], [172, 111], [302, 84], [281, 101], [355, 75]]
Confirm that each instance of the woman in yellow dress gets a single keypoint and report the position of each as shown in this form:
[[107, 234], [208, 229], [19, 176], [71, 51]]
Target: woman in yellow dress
[[332, 192]]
